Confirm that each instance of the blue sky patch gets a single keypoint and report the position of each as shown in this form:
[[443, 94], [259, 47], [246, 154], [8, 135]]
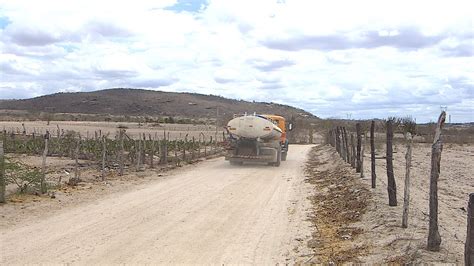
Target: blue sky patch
[[69, 48], [4, 22], [188, 5]]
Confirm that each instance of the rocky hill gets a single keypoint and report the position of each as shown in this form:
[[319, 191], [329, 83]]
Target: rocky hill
[[136, 102]]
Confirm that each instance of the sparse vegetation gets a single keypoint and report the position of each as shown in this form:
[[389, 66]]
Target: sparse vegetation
[[23, 176]]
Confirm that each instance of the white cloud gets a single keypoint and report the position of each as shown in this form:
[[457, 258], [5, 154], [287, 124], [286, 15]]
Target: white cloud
[[332, 58]]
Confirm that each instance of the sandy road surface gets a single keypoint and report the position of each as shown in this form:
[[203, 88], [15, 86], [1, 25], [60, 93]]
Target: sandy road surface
[[210, 213]]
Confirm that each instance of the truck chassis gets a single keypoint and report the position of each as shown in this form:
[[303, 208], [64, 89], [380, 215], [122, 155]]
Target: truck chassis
[[251, 150]]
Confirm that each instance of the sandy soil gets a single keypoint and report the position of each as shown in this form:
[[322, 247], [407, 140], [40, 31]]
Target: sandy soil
[[391, 242], [206, 213], [87, 129], [380, 237]]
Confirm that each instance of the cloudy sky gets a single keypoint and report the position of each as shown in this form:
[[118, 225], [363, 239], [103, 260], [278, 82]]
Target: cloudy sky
[[356, 59]]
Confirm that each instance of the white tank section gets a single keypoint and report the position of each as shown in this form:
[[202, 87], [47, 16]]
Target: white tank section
[[251, 126]]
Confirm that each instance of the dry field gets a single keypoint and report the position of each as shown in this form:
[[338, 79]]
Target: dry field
[[393, 243], [88, 129]]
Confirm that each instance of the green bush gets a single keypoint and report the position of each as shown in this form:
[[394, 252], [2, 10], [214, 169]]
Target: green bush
[[22, 175]]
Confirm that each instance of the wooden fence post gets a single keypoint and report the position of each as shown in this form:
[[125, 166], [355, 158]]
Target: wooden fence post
[[328, 137], [362, 148], [211, 143], [434, 238], [43, 187], [121, 152], [343, 144], [184, 150], [2, 174], [338, 141], [348, 152], [76, 166], [164, 157], [176, 159], [152, 153], [331, 137], [192, 150], [406, 193], [372, 153], [354, 155], [104, 153], [359, 143], [469, 246], [143, 154], [139, 152], [391, 185], [199, 147], [334, 137], [13, 140]]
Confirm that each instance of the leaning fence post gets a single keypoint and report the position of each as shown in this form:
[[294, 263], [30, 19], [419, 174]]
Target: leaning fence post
[[469, 246], [372, 153], [43, 187], [2, 174], [434, 238], [406, 194]]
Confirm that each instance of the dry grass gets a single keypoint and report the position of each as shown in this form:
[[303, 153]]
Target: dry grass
[[340, 200]]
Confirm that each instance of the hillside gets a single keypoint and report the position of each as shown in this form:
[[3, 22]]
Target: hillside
[[136, 102]]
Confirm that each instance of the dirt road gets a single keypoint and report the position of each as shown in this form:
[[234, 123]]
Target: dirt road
[[208, 213]]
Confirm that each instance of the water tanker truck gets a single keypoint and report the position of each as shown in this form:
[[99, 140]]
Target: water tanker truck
[[257, 138]]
